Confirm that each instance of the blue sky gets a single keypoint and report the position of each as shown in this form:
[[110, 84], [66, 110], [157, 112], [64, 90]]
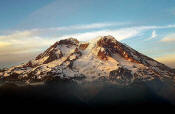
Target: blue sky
[[27, 27]]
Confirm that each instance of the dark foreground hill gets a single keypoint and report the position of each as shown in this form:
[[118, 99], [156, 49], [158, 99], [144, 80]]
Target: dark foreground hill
[[65, 96]]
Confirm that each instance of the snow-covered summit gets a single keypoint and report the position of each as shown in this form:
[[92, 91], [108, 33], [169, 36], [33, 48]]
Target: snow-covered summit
[[103, 58]]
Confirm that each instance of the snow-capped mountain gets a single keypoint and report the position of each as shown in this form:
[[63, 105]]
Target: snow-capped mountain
[[100, 59]]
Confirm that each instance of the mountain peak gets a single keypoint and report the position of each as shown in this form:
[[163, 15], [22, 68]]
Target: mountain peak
[[100, 58]]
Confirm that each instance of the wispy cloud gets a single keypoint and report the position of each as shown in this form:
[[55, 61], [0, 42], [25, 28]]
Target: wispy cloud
[[157, 27], [86, 26], [98, 26], [154, 34], [4, 44], [169, 38], [20, 42], [168, 60], [119, 34], [92, 26], [17, 35]]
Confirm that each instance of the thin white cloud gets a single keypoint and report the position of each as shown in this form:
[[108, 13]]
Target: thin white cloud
[[157, 27], [86, 26], [119, 34], [20, 42], [154, 34], [97, 26], [79, 27], [17, 35], [25, 46], [169, 38]]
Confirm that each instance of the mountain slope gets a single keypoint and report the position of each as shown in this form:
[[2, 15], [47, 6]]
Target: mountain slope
[[103, 58]]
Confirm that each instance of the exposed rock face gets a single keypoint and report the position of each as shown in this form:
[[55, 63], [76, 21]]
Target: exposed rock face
[[113, 46], [102, 59], [102, 54], [54, 54], [83, 46], [55, 51], [121, 73]]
